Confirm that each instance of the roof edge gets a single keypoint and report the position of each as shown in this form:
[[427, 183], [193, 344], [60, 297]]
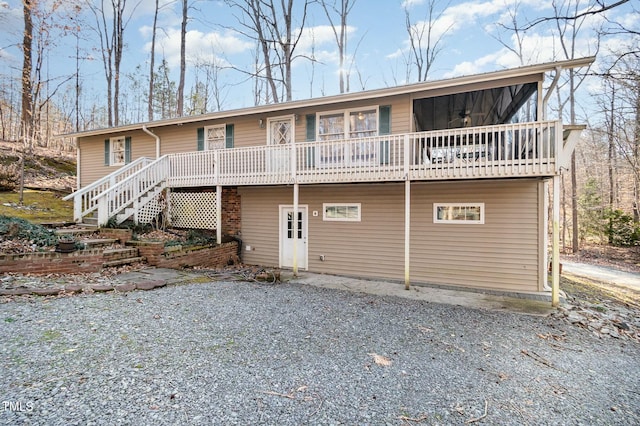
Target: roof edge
[[352, 96]]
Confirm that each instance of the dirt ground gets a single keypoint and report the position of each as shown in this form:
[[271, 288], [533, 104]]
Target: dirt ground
[[623, 258]]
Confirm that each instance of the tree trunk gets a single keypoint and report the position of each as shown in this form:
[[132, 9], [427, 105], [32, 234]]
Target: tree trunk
[[183, 41], [26, 118], [152, 62]]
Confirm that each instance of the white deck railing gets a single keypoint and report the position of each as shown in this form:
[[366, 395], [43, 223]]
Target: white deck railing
[[508, 150], [84, 200]]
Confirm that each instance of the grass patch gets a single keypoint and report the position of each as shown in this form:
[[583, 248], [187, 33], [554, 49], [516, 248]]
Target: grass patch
[[38, 206]]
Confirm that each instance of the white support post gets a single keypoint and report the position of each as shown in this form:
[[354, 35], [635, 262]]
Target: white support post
[[407, 213], [295, 228], [103, 215], [555, 265], [407, 232], [219, 214]]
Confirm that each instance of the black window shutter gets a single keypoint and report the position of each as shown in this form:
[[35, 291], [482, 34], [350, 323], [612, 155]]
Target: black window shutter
[[107, 152], [127, 150], [384, 128], [200, 138], [384, 125], [229, 136], [311, 127]]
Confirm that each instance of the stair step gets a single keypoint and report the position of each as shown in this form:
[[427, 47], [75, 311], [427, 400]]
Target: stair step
[[126, 261], [90, 221], [74, 231], [98, 242]]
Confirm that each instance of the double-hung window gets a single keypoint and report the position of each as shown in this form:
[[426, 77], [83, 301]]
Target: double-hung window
[[353, 125], [117, 151]]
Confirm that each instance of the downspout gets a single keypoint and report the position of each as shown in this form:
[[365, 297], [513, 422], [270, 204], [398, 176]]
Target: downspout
[[156, 137], [78, 164]]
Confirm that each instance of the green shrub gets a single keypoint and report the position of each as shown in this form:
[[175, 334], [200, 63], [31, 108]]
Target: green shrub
[[621, 229], [12, 228]]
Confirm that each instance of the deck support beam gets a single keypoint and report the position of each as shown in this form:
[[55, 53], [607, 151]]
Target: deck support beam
[[296, 190], [407, 233], [219, 214], [555, 257]]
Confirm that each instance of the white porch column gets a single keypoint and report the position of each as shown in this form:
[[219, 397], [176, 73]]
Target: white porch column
[[555, 266], [295, 228], [219, 214], [407, 232], [407, 211]]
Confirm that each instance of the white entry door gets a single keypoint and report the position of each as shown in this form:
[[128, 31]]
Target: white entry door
[[287, 236], [280, 135]]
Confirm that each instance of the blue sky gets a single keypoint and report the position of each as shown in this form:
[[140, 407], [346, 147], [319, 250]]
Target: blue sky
[[378, 42]]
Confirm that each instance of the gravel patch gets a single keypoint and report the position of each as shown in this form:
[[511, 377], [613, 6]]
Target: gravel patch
[[248, 353]]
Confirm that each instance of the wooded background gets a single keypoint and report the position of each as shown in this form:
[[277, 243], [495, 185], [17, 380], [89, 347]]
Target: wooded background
[[600, 192]]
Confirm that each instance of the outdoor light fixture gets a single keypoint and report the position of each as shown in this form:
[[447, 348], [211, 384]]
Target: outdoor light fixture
[[261, 123]]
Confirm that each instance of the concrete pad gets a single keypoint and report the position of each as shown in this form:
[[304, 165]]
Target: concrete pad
[[470, 299]]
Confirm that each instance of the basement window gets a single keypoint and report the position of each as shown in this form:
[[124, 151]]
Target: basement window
[[459, 213], [341, 212]]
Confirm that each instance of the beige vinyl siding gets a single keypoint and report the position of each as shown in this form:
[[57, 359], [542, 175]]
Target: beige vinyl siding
[[247, 132], [260, 227], [501, 254], [92, 154]]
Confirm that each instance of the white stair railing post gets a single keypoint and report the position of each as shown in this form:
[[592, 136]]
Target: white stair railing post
[[103, 214]]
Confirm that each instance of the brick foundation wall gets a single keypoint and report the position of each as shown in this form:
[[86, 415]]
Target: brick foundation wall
[[230, 212], [122, 235], [207, 257], [52, 262], [88, 261]]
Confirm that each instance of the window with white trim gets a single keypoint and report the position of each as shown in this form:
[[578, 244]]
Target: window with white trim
[[348, 124], [459, 213], [339, 212], [117, 150], [355, 124], [214, 137]]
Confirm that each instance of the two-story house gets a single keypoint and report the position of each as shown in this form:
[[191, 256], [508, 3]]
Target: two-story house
[[442, 182]]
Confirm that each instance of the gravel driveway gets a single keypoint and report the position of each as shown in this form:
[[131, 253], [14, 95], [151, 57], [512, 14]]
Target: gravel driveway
[[244, 353]]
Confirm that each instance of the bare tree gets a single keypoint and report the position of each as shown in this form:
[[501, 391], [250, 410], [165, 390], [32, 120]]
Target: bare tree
[[183, 64], [152, 61], [424, 38], [340, 34], [568, 30], [110, 27], [26, 115], [271, 27]]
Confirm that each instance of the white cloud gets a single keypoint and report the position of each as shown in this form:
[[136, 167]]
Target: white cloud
[[407, 4], [211, 46]]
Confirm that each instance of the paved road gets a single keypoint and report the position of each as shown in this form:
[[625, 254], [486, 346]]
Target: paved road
[[603, 273]]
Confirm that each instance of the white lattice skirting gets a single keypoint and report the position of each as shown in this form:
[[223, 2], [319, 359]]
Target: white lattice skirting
[[195, 210], [150, 211]]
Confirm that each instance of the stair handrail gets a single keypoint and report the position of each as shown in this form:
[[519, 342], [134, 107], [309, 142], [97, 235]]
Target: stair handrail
[[116, 198], [82, 203]]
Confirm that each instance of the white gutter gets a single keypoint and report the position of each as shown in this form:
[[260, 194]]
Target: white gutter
[[153, 135]]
